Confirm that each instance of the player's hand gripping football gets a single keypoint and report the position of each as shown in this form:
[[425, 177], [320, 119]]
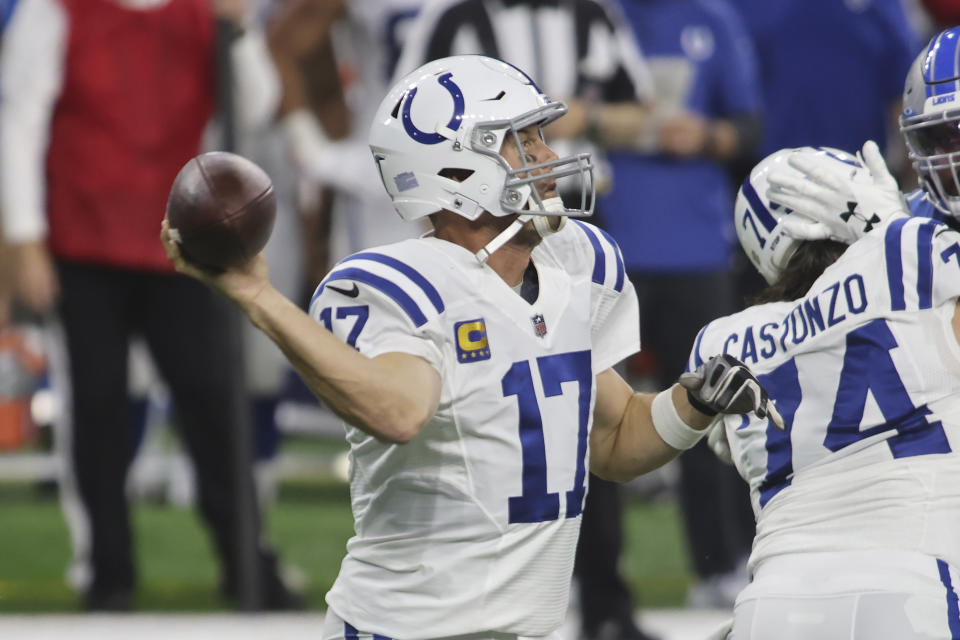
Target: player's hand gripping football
[[723, 384], [241, 284], [843, 209]]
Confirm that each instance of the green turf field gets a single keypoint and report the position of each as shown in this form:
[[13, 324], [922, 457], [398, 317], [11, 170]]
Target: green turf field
[[309, 524]]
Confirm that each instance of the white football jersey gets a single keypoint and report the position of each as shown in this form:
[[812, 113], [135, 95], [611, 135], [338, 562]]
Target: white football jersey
[[472, 526], [866, 372]]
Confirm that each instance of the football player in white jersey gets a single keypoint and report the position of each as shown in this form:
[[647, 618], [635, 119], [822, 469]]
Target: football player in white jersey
[[473, 367], [858, 500]]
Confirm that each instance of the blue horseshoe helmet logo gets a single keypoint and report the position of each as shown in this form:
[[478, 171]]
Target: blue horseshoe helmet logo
[[455, 121]]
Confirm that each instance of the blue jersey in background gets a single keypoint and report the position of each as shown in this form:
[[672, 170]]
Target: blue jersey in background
[[831, 70], [674, 214]]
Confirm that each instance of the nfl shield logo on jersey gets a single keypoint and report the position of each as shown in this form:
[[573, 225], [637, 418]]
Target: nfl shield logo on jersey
[[539, 325]]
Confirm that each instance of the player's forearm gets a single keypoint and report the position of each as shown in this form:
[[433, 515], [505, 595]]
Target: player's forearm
[[631, 446], [375, 395]]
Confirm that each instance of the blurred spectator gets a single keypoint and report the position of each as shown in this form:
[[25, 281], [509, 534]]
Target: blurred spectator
[[831, 74], [574, 51], [364, 37], [102, 103], [330, 202], [670, 211], [6, 284], [943, 12], [830, 71]]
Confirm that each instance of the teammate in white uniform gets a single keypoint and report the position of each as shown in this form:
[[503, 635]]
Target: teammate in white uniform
[[473, 366], [858, 500]]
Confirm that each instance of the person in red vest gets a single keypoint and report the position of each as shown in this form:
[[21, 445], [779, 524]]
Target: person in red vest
[[102, 102]]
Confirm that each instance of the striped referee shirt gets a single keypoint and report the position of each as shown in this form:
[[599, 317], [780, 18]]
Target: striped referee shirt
[[569, 47]]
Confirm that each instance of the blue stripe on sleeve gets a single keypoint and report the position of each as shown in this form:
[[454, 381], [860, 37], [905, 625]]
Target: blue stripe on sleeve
[[599, 258], [697, 360], [895, 264], [379, 637], [759, 209], [383, 285], [953, 609], [406, 270], [925, 264], [621, 270]]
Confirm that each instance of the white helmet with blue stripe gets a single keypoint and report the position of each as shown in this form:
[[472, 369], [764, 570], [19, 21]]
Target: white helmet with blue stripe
[[437, 135], [930, 122], [771, 233]]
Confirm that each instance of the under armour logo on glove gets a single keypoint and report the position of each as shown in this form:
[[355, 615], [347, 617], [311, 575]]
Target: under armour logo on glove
[[851, 212], [816, 188], [723, 384]]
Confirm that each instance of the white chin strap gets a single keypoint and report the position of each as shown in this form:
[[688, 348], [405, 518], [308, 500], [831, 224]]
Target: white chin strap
[[543, 224]]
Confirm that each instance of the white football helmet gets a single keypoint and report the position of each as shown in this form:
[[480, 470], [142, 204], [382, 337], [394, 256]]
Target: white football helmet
[[437, 135], [769, 232], [930, 122]]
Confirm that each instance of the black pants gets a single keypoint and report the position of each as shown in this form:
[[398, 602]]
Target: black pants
[[603, 593], [193, 338], [714, 500]]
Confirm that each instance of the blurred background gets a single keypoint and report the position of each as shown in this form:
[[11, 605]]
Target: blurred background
[[713, 86]]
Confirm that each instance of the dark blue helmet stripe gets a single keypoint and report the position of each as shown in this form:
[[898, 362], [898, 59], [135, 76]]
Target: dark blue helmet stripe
[[852, 163], [524, 74], [943, 63], [759, 209]]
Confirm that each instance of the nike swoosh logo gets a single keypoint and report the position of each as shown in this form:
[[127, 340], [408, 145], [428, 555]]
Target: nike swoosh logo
[[352, 293]]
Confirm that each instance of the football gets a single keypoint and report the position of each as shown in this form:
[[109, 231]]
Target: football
[[221, 208]]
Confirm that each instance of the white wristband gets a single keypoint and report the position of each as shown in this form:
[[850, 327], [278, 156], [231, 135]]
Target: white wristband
[[670, 427]]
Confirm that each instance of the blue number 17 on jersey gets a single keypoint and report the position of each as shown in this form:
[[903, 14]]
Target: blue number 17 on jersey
[[536, 504]]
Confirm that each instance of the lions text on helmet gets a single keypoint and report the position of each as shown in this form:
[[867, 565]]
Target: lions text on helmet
[[442, 139]]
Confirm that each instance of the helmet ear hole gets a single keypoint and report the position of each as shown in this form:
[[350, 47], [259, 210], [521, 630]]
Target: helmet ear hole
[[457, 175]]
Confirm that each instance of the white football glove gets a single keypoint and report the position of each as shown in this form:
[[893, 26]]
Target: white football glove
[[723, 384], [834, 207]]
